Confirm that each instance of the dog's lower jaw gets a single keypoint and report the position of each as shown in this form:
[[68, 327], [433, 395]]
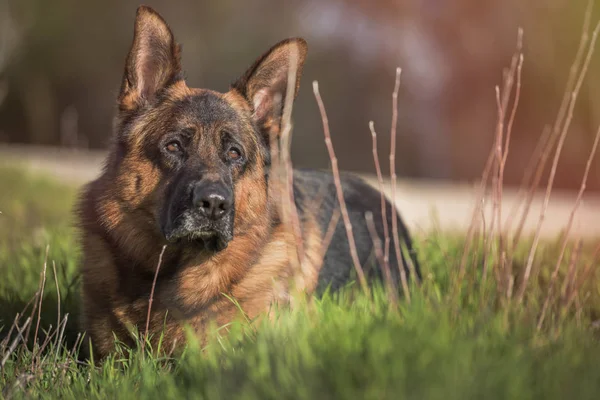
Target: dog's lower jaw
[[209, 240]]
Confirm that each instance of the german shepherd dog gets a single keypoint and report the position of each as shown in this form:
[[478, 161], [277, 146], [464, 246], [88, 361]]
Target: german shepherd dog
[[190, 169]]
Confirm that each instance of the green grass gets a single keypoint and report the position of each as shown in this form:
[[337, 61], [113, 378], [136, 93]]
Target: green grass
[[446, 345]]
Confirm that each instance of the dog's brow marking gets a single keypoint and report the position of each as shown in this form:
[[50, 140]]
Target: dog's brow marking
[[188, 132]]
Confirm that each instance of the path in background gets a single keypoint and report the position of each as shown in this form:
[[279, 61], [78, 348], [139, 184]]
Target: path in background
[[425, 205]]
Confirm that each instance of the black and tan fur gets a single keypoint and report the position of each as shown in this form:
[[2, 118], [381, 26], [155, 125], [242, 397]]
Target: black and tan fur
[[173, 148]]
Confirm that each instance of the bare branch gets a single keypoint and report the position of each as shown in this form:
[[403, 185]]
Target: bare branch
[[399, 258], [380, 257], [386, 232], [340, 191], [15, 342], [151, 299], [557, 153], [39, 317], [570, 223]]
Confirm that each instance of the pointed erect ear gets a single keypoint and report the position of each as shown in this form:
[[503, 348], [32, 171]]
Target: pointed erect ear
[[264, 84], [153, 62]]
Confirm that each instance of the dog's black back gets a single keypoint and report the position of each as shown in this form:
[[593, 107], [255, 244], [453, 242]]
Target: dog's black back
[[315, 193]]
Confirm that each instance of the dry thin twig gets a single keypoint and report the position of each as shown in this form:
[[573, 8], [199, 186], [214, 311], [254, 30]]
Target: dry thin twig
[[78, 341], [286, 128], [572, 79], [496, 162], [543, 143], [570, 223], [479, 209], [579, 198], [572, 263], [509, 272], [514, 108], [39, 317], [15, 342], [569, 280], [493, 156], [4, 341], [516, 66], [60, 337], [340, 191], [151, 299], [333, 221], [399, 258], [381, 257], [501, 154], [57, 299], [557, 153], [589, 268], [567, 97], [58, 332], [481, 238], [386, 232], [496, 187], [49, 334], [34, 300]]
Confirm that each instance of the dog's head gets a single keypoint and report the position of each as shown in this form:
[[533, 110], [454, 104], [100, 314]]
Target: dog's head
[[193, 161]]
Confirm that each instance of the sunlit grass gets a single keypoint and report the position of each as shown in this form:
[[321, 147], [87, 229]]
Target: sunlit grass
[[445, 344]]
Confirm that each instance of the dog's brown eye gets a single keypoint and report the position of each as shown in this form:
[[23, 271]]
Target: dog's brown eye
[[234, 154], [173, 147]]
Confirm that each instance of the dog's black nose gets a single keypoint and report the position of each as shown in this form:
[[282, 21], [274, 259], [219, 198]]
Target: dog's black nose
[[212, 199]]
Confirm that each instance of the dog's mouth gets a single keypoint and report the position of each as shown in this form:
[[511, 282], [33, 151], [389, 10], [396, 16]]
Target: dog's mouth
[[211, 239], [190, 229], [207, 238]]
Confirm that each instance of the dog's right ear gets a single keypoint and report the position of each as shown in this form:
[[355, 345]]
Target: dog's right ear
[[264, 84], [153, 63]]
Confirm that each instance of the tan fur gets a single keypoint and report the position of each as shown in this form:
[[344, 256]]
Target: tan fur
[[255, 270]]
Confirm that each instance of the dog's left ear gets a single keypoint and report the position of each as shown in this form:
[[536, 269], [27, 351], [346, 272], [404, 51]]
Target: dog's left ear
[[154, 60], [264, 85]]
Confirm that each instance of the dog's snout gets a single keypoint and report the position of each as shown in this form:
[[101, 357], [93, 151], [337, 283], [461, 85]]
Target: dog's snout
[[213, 200]]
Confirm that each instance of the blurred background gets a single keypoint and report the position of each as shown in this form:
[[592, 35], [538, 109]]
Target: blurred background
[[61, 63]]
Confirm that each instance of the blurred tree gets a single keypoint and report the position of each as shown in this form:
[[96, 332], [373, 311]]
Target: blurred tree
[[61, 64]]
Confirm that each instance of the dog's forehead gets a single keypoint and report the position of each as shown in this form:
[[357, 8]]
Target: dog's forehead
[[207, 108]]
